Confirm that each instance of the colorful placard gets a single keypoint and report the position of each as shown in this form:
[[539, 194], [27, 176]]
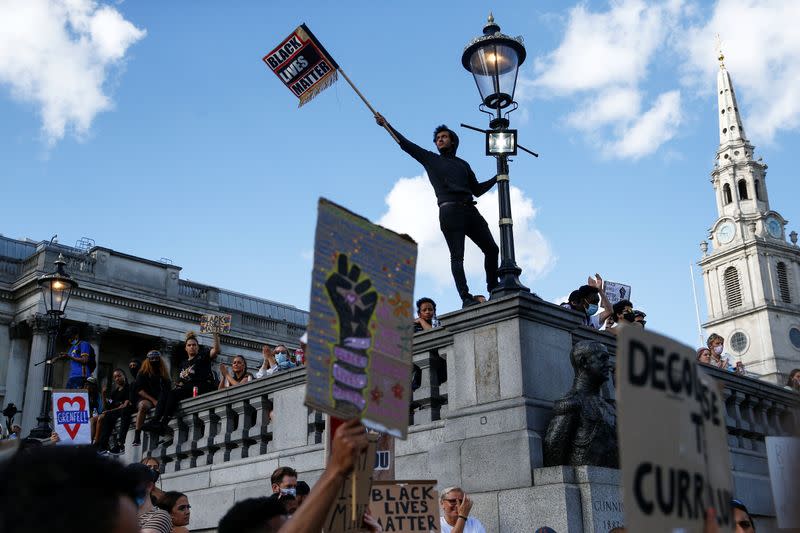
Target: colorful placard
[[672, 436], [360, 325], [405, 505], [71, 416], [215, 324]]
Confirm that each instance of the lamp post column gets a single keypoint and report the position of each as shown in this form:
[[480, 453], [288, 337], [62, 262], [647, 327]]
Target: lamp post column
[[508, 272], [43, 428]]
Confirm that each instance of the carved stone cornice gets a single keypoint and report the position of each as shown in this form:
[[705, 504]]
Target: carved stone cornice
[[39, 323], [20, 330], [95, 332]]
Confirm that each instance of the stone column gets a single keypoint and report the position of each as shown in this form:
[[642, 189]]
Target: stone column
[[5, 349], [35, 379], [20, 333], [94, 335], [166, 347]]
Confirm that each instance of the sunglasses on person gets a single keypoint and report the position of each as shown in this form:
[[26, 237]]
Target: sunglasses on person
[[453, 501]]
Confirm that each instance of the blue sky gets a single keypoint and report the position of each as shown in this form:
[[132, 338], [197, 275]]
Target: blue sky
[[155, 129]]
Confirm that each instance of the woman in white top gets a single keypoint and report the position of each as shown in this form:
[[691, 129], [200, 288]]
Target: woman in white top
[[239, 373]]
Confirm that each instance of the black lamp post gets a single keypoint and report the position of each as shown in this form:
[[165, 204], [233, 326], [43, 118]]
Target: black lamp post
[[494, 60], [56, 289]]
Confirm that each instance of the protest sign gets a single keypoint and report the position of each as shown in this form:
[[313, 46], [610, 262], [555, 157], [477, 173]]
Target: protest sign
[[71, 416], [360, 324], [303, 64], [616, 292], [215, 324], [340, 516], [672, 436], [405, 505], [783, 457]]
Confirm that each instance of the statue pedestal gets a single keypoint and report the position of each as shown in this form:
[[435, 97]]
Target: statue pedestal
[[581, 499]]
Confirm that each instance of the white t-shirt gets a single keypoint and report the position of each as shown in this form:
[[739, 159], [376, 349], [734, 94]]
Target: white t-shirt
[[473, 525]]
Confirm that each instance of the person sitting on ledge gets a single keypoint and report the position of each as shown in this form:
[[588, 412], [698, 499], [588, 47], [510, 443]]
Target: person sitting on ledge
[[193, 372], [239, 376], [426, 315], [152, 382]]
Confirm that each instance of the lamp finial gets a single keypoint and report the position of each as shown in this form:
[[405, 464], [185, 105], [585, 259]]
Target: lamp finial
[[491, 26]]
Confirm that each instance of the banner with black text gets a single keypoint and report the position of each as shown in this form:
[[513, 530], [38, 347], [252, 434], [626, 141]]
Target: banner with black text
[[303, 64]]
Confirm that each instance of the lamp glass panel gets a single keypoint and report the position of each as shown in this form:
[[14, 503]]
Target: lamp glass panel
[[494, 67], [502, 142]]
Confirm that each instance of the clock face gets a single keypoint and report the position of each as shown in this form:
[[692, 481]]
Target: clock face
[[774, 227], [726, 232]]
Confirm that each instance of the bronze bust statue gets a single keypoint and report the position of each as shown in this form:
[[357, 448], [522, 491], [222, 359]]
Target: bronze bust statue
[[583, 430]]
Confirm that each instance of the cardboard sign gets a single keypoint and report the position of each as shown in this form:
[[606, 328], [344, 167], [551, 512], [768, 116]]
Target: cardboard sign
[[303, 64], [672, 436], [215, 324], [616, 292], [71, 416], [340, 516], [783, 456], [360, 324], [405, 505]]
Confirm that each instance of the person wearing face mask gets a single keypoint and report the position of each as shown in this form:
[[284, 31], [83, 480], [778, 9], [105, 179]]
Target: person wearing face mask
[[716, 343], [151, 518], [151, 383], [282, 358], [622, 316], [587, 300]]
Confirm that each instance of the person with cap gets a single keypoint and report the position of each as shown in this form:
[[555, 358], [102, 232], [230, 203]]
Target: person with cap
[[151, 382], [80, 355], [742, 521], [151, 518], [639, 317], [455, 184]]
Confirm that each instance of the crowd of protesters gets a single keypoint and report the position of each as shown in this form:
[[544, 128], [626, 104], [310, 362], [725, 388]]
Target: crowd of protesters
[[127, 499], [133, 499]]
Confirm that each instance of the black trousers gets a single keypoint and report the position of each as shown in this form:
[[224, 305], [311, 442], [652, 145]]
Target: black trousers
[[170, 399], [110, 422], [458, 220]]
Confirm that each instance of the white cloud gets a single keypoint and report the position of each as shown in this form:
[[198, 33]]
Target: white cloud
[[601, 62], [762, 52], [412, 209], [605, 49], [611, 105], [56, 54], [650, 130]]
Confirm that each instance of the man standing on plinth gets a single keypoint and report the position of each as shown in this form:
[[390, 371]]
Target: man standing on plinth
[[455, 184]]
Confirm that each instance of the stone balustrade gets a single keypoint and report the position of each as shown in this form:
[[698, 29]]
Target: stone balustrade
[[249, 420]]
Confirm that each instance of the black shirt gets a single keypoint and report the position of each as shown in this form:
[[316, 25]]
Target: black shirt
[[199, 370], [451, 177], [152, 385], [118, 396]]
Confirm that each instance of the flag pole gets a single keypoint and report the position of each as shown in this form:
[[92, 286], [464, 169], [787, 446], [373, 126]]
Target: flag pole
[[385, 125]]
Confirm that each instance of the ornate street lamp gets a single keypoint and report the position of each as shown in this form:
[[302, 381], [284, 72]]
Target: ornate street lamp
[[56, 287], [494, 60]]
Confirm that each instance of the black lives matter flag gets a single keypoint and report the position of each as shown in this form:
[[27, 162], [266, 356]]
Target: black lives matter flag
[[303, 64]]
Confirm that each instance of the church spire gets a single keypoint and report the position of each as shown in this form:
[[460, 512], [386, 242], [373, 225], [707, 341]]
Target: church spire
[[730, 121]]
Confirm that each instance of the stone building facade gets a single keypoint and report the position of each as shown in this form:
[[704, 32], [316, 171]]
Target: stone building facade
[[125, 306]]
